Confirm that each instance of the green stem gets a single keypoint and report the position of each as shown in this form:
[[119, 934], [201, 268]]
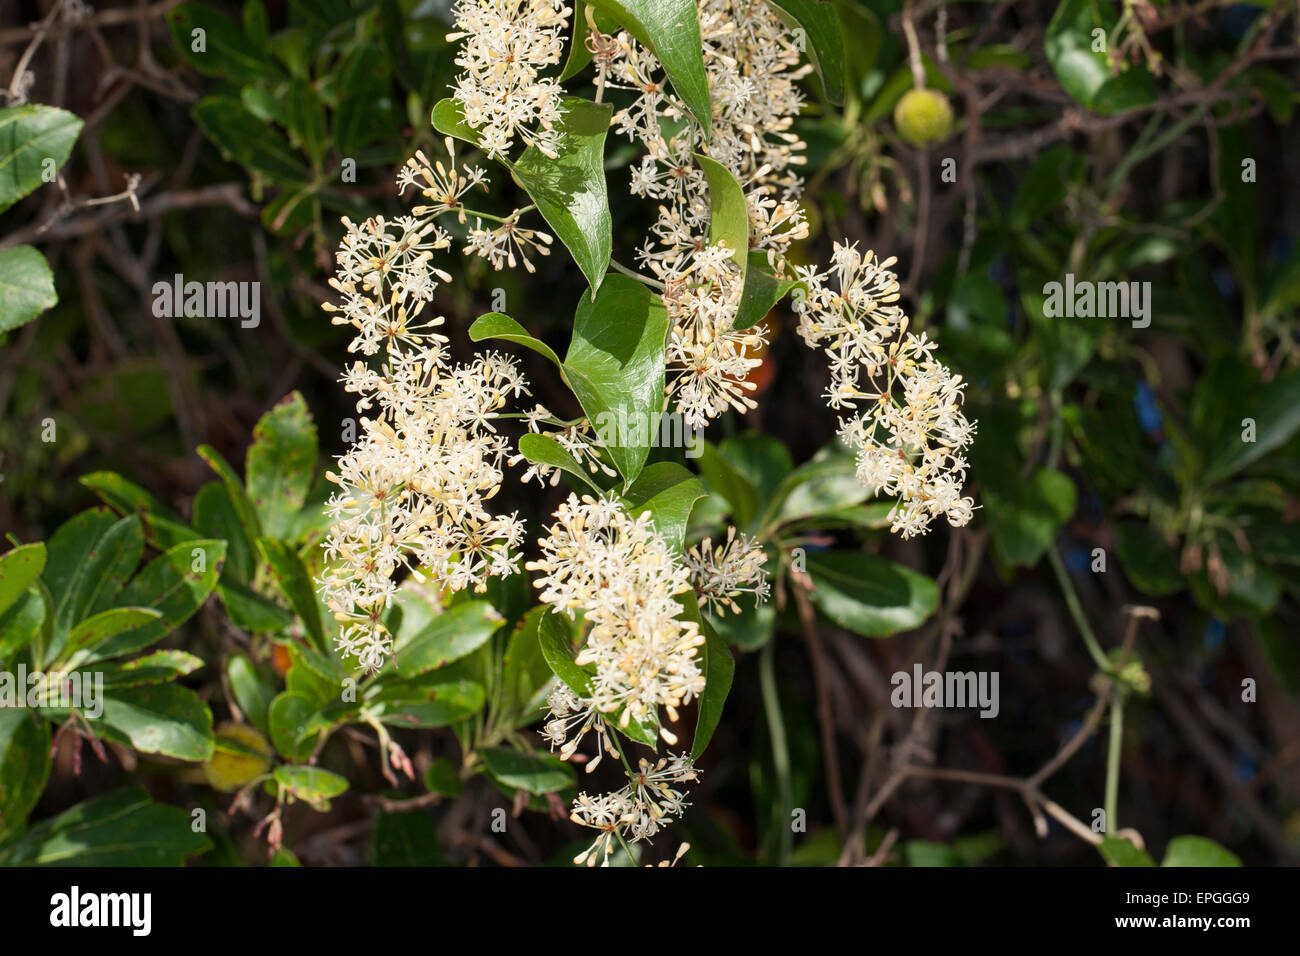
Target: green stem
[[1076, 610], [1112, 759], [780, 749], [633, 274]]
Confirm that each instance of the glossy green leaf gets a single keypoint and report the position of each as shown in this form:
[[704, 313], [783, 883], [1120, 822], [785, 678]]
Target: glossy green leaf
[[870, 595], [719, 669], [1123, 852], [222, 49], [289, 716], [170, 585], [24, 764], [122, 828], [671, 29], [235, 491], [569, 190], [545, 450], [1086, 75], [242, 137], [252, 692], [822, 35], [763, 290], [215, 516], [1198, 851], [616, 367], [26, 286], [166, 528], [313, 785], [106, 624], [296, 584], [155, 668], [280, 465], [669, 492], [18, 569], [458, 631], [1275, 411], [163, 719], [29, 135], [729, 212], [498, 325], [534, 773]]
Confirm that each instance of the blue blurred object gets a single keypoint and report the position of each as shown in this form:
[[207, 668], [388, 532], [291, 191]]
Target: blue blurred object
[[1236, 20], [1078, 559], [1215, 631], [1225, 281], [1148, 412]]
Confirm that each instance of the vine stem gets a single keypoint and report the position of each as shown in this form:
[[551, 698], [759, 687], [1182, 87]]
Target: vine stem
[[633, 274], [1076, 609], [780, 748]]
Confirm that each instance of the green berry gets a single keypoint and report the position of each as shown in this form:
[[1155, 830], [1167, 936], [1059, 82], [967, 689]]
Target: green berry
[[923, 117]]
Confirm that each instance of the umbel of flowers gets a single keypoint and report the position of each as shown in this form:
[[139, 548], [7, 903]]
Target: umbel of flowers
[[416, 492]]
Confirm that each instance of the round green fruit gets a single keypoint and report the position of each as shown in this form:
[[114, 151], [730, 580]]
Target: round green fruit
[[923, 117]]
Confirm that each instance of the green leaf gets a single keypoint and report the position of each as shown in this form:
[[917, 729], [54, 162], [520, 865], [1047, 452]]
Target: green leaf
[[763, 290], [557, 648], [723, 478], [252, 693], [719, 668], [18, 569], [280, 464], [24, 765], [545, 450], [1275, 409], [729, 212], [1025, 517], [823, 36], [244, 138], [234, 489], [1150, 562], [498, 325], [531, 772], [616, 367], [569, 190], [305, 118], [21, 624], [251, 611], [107, 624], [449, 120], [26, 286], [29, 135], [1198, 851], [227, 52], [296, 584], [313, 785], [162, 719], [91, 557], [669, 492], [166, 528], [451, 635], [671, 29], [437, 705], [156, 668], [1086, 75], [1123, 852], [825, 485], [524, 672], [288, 717], [122, 828], [404, 839], [870, 595], [442, 777], [215, 516], [556, 642], [170, 585]]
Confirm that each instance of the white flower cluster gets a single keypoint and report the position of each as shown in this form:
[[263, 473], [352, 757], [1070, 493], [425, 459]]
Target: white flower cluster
[[504, 245], [505, 46], [752, 61], [907, 428], [622, 573], [711, 359], [413, 488], [650, 801], [722, 574]]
